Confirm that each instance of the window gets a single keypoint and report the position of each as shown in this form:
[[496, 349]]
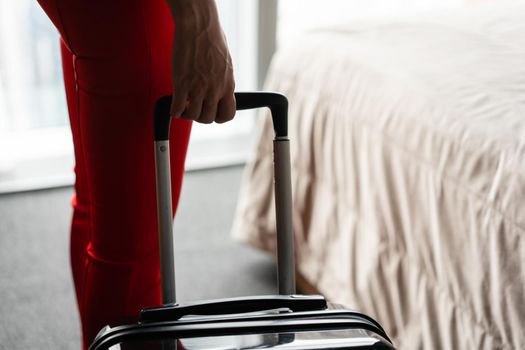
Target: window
[[33, 119], [35, 141]]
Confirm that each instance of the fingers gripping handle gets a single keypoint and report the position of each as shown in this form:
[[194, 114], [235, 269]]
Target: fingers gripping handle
[[278, 105]]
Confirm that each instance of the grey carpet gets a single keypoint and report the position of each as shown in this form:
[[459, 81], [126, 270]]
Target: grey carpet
[[37, 306]]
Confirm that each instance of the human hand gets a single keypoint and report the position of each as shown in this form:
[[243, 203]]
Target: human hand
[[202, 71]]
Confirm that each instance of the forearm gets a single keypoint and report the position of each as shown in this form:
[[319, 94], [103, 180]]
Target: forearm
[[193, 14], [202, 70]]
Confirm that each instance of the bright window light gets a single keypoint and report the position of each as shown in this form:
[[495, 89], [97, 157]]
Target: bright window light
[[35, 141]]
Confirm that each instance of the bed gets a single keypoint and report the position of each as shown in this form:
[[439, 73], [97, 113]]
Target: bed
[[408, 170]]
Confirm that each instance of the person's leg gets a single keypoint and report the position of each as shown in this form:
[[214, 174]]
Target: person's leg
[[80, 230], [120, 64]]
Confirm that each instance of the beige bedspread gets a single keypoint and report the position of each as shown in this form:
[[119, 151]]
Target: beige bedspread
[[408, 151]]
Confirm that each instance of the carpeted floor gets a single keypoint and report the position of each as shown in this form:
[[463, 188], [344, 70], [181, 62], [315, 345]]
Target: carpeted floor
[[37, 306]]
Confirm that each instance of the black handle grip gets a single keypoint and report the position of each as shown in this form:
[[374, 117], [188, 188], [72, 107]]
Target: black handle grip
[[277, 103], [234, 306]]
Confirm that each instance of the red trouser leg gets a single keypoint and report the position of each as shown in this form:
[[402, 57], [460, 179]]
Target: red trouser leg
[[116, 60]]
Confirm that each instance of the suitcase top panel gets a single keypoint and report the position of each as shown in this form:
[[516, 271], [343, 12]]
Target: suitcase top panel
[[307, 340]]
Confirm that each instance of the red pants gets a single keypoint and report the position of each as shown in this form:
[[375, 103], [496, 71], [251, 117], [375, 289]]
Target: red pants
[[117, 62]]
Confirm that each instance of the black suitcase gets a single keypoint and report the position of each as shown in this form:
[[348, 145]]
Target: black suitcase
[[285, 321]]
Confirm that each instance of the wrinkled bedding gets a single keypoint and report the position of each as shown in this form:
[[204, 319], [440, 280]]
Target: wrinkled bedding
[[408, 171]]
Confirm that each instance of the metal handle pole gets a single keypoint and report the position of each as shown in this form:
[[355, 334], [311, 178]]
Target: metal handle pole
[[283, 214], [165, 221]]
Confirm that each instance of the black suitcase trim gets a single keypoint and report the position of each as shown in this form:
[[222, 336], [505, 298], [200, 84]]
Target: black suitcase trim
[[327, 320]]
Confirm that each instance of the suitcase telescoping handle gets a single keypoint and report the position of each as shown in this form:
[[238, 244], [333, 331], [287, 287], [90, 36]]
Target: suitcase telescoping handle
[[278, 105]]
